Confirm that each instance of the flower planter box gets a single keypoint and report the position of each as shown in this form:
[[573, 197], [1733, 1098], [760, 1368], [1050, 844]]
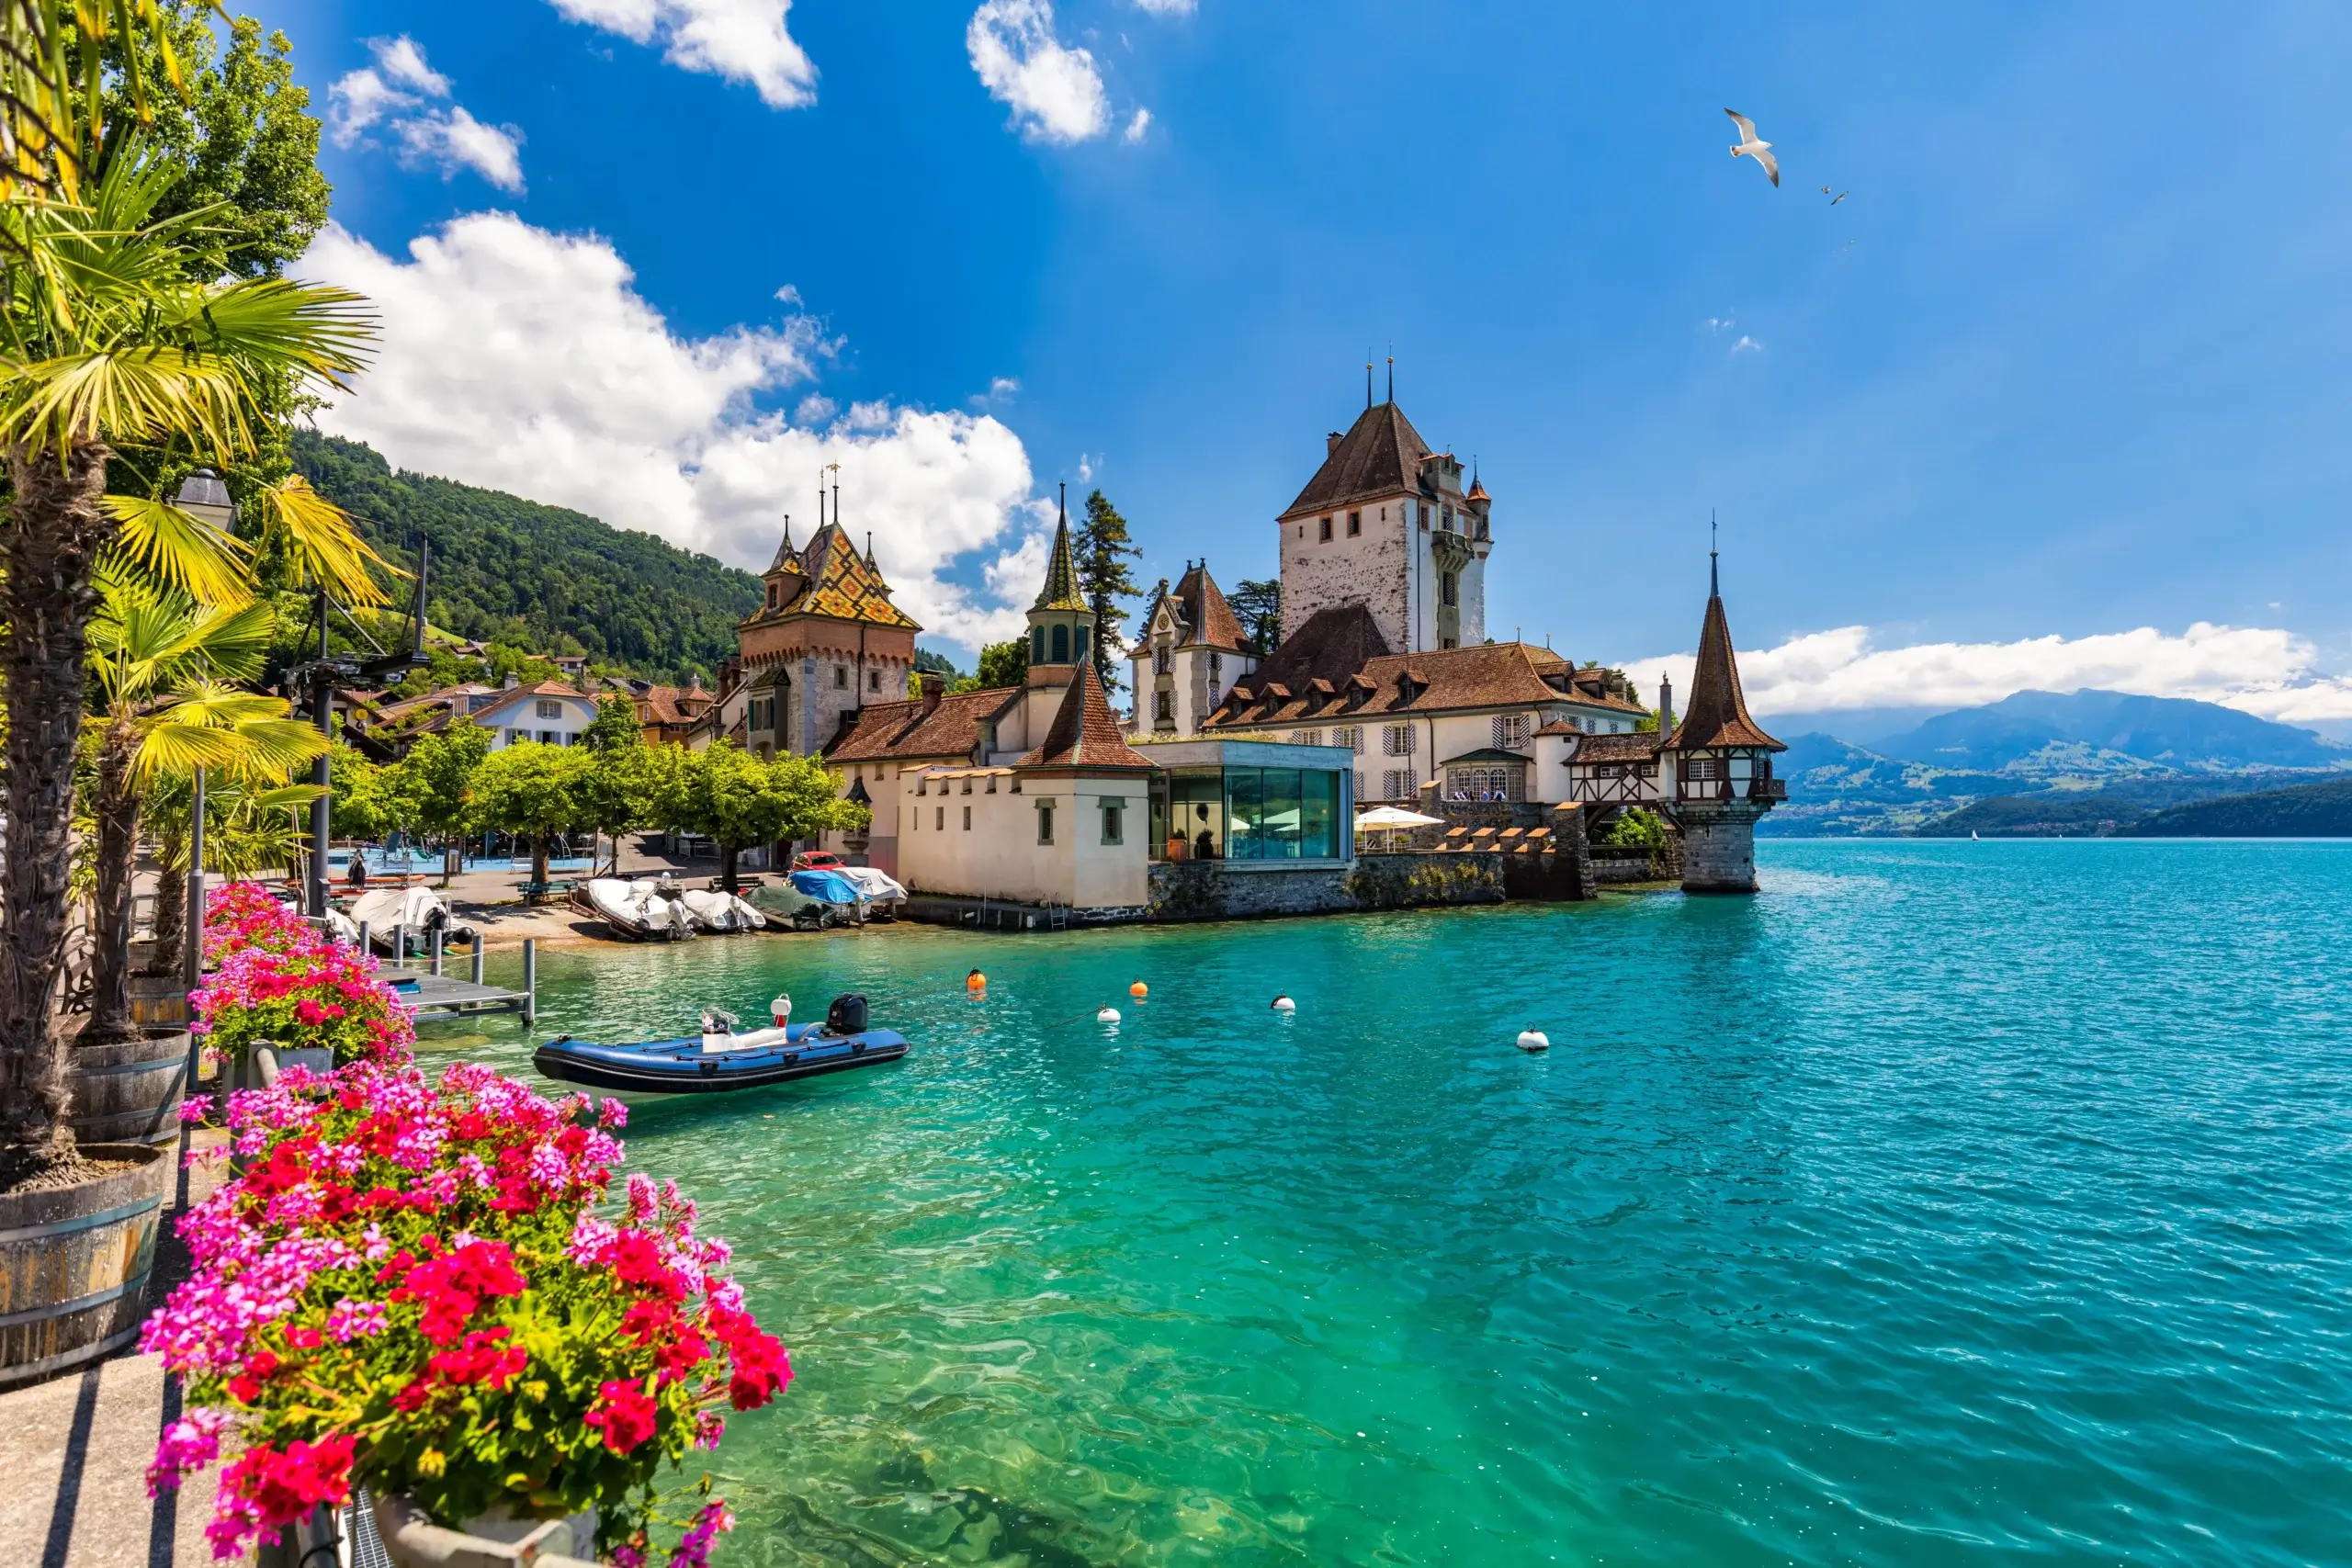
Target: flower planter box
[[74, 1261], [412, 1540]]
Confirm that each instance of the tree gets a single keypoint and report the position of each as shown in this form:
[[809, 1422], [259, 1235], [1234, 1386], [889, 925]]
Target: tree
[[1001, 664], [110, 344], [741, 802], [1257, 603], [1103, 550], [614, 728], [432, 782], [529, 791], [620, 780], [148, 647]]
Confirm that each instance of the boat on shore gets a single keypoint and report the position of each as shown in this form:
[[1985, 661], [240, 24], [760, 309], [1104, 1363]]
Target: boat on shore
[[719, 1061], [715, 909], [642, 909]]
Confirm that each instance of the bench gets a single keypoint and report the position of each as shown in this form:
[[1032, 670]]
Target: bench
[[535, 892]]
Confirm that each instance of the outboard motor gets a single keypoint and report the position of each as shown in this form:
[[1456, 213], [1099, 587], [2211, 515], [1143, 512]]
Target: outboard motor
[[847, 1016]]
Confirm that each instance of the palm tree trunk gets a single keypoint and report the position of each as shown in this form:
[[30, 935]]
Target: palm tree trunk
[[57, 529], [171, 903], [118, 816]]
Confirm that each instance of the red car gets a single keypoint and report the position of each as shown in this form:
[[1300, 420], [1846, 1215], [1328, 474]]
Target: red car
[[815, 860]]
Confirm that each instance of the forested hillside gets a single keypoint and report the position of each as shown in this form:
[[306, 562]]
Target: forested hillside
[[2311, 811], [542, 576]]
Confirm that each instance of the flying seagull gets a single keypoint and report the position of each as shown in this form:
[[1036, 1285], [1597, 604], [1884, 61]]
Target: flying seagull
[[1833, 200], [1759, 151]]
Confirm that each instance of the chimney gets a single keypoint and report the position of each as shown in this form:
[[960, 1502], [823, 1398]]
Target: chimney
[[1665, 709], [934, 686], [513, 679], [1331, 441]]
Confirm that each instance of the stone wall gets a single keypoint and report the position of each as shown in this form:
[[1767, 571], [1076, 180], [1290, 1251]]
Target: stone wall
[[1719, 849], [1207, 890]]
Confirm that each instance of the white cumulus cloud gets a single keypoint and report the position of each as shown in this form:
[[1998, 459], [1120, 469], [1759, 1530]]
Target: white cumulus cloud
[[1166, 7], [526, 360], [1056, 92], [1138, 126], [394, 94], [2260, 669], [740, 41]]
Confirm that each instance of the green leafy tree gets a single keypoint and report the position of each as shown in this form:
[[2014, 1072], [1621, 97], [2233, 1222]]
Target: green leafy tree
[[1257, 603], [621, 781], [1103, 550], [742, 802], [1001, 664], [362, 802], [614, 728], [1636, 827], [433, 781], [529, 791]]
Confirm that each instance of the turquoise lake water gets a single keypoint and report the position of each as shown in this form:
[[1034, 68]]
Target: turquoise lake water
[[1944, 1204]]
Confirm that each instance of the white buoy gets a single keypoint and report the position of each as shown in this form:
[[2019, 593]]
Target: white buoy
[[1108, 1015], [1533, 1040], [1284, 1004]]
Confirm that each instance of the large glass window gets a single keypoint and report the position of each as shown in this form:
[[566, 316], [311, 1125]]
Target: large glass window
[[1318, 815], [1245, 805]]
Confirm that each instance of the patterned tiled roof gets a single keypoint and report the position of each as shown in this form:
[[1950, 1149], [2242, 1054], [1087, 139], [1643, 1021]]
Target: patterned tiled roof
[[1085, 733], [838, 583], [1061, 589], [1492, 675]]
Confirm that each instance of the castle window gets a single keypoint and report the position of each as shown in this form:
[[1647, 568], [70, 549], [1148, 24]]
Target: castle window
[[939, 823], [1036, 645], [968, 819], [1355, 523], [874, 680], [1044, 821], [1449, 588], [1163, 706], [1353, 738], [1308, 737], [1161, 659], [774, 592], [840, 676], [1111, 821], [1396, 740], [1510, 732], [1323, 533], [1061, 645], [1216, 667], [1425, 517], [1397, 783], [1449, 520]]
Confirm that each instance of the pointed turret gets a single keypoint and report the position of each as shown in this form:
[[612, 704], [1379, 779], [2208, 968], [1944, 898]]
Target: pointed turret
[[1061, 623], [1717, 768], [787, 557], [1085, 732]]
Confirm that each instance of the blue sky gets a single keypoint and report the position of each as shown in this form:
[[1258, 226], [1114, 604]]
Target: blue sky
[[2067, 363]]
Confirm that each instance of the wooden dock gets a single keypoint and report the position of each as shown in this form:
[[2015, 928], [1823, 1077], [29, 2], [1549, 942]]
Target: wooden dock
[[428, 994]]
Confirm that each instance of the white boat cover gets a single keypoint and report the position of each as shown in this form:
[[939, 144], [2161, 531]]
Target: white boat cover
[[876, 884], [385, 910], [720, 911], [638, 905]]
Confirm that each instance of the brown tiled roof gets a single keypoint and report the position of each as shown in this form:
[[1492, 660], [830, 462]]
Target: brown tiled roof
[[1380, 455], [1503, 674], [896, 730], [1336, 642], [1085, 733], [1207, 619], [839, 583], [1635, 748], [667, 704], [1717, 712]]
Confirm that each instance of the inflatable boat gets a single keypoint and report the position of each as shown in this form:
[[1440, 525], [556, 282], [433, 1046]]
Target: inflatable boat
[[717, 910], [718, 1060], [391, 913], [638, 910]]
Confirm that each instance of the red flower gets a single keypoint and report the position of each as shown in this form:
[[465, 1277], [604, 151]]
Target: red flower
[[636, 1260], [452, 1286], [304, 1338], [677, 1347], [283, 1487], [762, 1365], [623, 1414]]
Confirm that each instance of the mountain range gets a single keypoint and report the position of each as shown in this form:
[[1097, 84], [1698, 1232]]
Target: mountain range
[[2042, 763]]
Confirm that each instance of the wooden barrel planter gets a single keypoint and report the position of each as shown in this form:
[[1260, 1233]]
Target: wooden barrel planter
[[158, 998], [73, 1263], [128, 1092]]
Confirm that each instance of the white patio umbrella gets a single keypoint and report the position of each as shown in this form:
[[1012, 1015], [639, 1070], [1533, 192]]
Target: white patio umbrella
[[1392, 817]]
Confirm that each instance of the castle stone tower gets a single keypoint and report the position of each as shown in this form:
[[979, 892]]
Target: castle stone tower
[[1384, 523], [1716, 771]]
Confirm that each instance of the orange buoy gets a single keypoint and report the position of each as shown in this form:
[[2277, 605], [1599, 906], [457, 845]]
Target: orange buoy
[[975, 981], [1138, 990]]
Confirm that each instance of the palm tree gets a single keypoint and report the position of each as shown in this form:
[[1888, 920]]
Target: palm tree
[[104, 340], [145, 643]]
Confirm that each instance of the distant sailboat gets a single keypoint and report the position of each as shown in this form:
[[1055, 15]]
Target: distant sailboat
[[1971, 835]]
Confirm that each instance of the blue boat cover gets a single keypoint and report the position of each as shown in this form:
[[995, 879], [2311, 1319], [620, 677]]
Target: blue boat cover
[[825, 885]]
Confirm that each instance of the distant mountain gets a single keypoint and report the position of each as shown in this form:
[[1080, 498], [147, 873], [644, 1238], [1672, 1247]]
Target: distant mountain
[[2094, 733], [1839, 790], [2051, 814], [542, 576], [2308, 811]]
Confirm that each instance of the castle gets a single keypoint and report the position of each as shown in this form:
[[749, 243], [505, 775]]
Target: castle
[[1383, 689]]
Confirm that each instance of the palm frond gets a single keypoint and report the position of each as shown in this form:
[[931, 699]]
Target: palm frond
[[181, 550], [324, 543]]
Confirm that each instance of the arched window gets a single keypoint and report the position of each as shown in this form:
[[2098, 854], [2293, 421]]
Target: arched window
[[1061, 644], [1036, 645]]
